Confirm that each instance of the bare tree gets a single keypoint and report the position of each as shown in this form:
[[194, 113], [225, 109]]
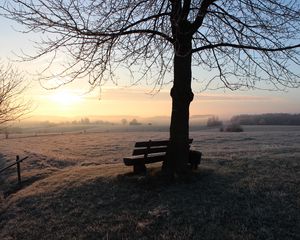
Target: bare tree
[[12, 104], [242, 43]]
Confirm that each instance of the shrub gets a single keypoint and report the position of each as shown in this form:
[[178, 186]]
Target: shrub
[[134, 122], [214, 122], [232, 127]]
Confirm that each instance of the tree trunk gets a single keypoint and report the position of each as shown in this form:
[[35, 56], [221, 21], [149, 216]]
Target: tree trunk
[[182, 95]]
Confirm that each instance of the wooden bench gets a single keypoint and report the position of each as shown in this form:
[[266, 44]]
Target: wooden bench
[[155, 151]]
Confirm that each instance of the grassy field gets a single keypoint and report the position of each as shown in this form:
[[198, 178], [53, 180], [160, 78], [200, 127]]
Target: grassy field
[[76, 187]]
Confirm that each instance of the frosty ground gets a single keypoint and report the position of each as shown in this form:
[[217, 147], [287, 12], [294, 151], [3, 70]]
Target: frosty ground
[[75, 186]]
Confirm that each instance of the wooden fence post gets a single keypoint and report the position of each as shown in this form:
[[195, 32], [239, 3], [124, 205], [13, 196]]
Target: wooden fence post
[[19, 170]]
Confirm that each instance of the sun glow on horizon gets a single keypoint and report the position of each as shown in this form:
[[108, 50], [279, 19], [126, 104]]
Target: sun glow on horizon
[[73, 102]]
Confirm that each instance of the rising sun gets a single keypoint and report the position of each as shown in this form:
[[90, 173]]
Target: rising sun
[[66, 97]]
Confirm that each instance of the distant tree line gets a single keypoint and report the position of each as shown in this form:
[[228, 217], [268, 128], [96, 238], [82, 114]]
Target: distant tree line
[[267, 119], [82, 121]]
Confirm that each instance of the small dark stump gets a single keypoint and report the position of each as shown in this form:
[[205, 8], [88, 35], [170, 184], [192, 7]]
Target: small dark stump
[[194, 159]]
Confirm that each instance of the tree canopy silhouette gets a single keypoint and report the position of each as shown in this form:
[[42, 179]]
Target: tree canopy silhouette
[[243, 43]]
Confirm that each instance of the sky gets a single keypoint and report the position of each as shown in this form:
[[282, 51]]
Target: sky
[[73, 101]]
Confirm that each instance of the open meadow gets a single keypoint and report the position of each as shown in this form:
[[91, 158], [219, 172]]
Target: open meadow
[[75, 186]]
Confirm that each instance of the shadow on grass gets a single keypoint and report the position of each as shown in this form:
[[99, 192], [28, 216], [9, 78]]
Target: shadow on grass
[[32, 170], [214, 205], [13, 186]]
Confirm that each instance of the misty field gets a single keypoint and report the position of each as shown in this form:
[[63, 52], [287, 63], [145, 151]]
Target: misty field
[[75, 186]]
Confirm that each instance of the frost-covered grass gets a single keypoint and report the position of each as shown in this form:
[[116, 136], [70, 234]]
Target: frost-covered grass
[[76, 187]]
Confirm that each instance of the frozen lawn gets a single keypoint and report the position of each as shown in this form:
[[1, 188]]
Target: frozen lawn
[[76, 187]]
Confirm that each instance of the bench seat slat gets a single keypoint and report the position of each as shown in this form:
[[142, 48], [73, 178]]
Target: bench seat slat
[[142, 151], [130, 161]]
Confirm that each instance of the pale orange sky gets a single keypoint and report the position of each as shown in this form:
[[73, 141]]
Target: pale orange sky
[[70, 100]]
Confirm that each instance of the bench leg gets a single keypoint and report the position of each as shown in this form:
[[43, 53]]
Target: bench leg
[[139, 168]]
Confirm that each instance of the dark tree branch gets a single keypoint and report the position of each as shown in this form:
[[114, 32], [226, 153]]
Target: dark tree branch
[[100, 36], [241, 46], [202, 11]]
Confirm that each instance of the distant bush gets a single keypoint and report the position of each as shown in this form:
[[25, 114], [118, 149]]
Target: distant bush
[[134, 122], [232, 127], [124, 121], [214, 122]]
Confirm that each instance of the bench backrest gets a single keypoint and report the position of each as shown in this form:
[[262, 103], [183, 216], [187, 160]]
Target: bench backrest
[[151, 147]]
